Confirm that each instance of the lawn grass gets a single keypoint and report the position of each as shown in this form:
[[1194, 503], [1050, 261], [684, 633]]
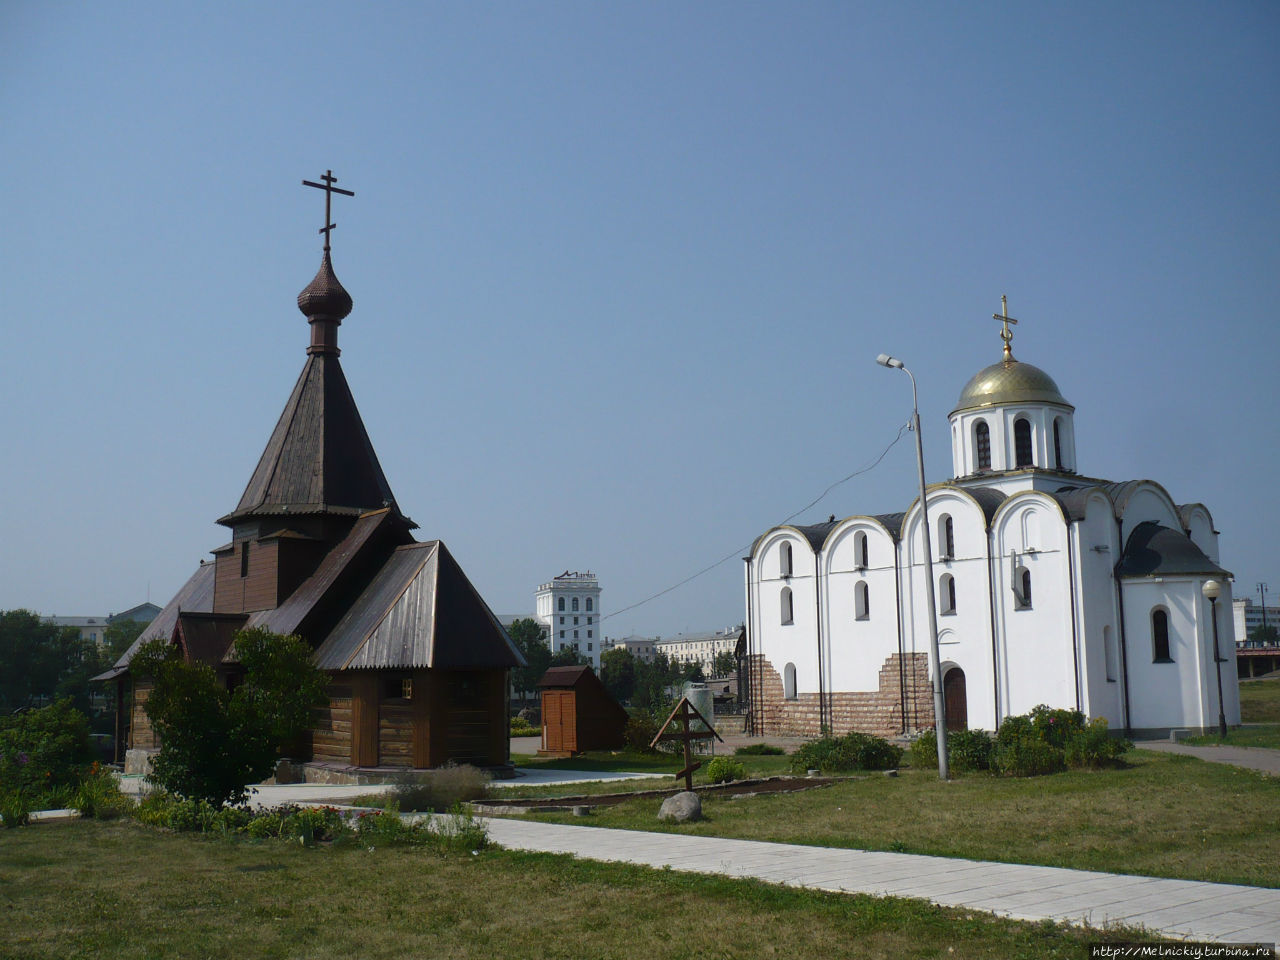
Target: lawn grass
[[1162, 815], [1266, 735], [1260, 705], [116, 890], [1260, 700]]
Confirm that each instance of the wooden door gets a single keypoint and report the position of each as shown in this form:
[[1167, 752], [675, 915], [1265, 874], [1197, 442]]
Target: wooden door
[[559, 721], [955, 703]]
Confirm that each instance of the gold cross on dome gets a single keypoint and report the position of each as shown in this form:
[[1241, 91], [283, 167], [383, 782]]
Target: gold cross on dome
[[329, 190], [1006, 334]]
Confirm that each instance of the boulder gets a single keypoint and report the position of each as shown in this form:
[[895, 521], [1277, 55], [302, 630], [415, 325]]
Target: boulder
[[682, 808]]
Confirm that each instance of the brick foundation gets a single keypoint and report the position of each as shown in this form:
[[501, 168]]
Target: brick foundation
[[878, 712]]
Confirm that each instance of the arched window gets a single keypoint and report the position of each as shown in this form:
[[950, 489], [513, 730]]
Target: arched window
[[588, 604], [1160, 636], [947, 592], [1022, 589], [1057, 444], [784, 559], [788, 608], [575, 604], [861, 601], [946, 537], [860, 549], [982, 441], [562, 604], [789, 681], [1022, 442]]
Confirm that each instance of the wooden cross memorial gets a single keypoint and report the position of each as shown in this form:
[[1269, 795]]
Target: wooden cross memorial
[[686, 713]]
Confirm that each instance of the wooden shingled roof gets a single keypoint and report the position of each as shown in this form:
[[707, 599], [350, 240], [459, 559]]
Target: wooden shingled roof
[[319, 458], [420, 611]]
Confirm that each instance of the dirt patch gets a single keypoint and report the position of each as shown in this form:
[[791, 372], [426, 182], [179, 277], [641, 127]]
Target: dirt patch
[[736, 790]]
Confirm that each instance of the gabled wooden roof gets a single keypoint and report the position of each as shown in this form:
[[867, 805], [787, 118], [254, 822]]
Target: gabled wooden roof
[[319, 458], [196, 596], [420, 611]]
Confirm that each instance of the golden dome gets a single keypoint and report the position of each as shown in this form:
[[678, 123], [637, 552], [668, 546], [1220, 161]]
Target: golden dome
[[1009, 381]]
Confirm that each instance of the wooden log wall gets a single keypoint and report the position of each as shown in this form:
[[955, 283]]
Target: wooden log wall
[[331, 736]]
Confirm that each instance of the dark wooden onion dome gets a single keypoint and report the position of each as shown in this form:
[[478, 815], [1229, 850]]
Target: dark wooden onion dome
[[320, 548]]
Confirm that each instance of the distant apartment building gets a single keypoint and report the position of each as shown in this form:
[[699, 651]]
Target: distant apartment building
[[642, 648], [1249, 616], [569, 607], [94, 628], [701, 647]]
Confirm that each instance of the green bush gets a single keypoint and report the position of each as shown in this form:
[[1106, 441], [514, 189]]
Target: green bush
[[1094, 747], [1056, 727], [459, 831], [15, 808], [520, 727], [309, 824], [853, 751], [98, 796], [1027, 756], [725, 770], [640, 731], [759, 750], [45, 749], [440, 789], [967, 750]]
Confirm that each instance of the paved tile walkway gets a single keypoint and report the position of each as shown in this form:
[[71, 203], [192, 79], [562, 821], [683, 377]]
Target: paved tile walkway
[[1174, 908]]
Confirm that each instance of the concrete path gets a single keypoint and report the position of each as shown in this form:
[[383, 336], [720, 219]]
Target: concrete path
[[1255, 758], [1182, 909]]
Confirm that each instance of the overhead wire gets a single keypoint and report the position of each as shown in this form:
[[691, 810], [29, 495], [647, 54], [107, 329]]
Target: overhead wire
[[737, 553]]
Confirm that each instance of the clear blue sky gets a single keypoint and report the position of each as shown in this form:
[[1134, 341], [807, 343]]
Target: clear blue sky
[[621, 270]]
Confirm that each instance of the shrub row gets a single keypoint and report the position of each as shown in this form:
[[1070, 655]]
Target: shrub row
[[520, 727], [309, 825], [725, 770], [853, 751], [1040, 742]]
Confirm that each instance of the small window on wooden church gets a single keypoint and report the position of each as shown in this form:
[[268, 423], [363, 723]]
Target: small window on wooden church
[[861, 601], [982, 440], [1160, 636], [398, 687], [788, 611], [244, 559], [784, 560], [1022, 443]]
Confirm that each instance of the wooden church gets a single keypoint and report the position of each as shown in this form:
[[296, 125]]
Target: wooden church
[[319, 548]]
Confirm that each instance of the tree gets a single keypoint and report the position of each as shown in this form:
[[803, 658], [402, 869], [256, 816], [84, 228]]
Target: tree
[[724, 664], [119, 636], [530, 638], [1267, 636], [568, 657], [215, 742], [618, 672], [35, 657]]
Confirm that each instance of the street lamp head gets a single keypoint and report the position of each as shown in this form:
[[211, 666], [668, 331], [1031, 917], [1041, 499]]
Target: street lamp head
[[1211, 589], [887, 361]]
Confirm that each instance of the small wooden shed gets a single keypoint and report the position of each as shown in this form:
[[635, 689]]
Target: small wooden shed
[[578, 714]]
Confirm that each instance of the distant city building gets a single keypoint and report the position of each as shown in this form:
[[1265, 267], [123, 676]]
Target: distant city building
[[569, 607], [642, 648], [1249, 616], [700, 648], [94, 628]]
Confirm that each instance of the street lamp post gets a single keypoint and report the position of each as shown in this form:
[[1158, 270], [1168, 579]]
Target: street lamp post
[[935, 661], [1212, 589]]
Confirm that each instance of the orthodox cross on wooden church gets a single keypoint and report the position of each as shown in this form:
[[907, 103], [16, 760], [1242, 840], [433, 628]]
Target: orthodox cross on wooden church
[[1006, 334], [686, 713], [329, 190]]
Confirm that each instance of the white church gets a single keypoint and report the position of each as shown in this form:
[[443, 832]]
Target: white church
[[1052, 587]]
